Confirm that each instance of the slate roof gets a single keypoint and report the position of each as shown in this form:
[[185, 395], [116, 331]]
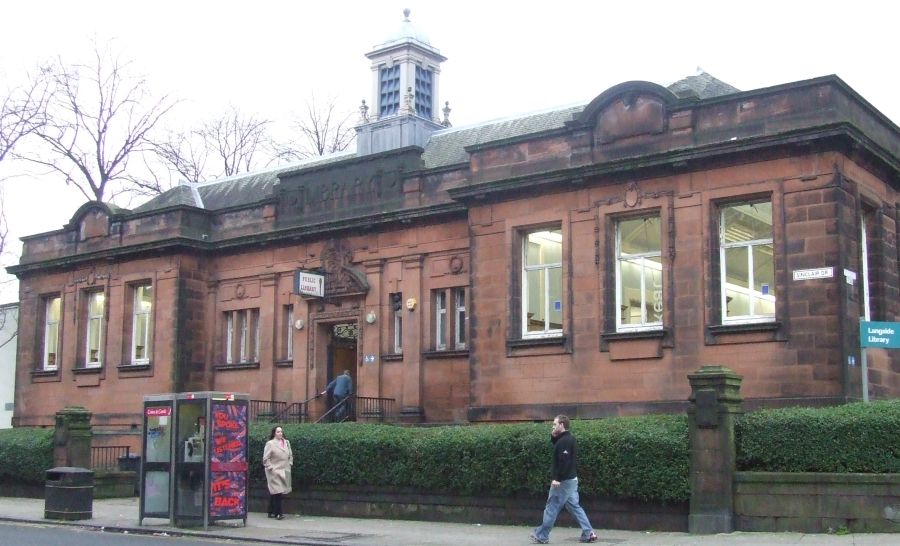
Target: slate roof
[[237, 190], [703, 85], [445, 148]]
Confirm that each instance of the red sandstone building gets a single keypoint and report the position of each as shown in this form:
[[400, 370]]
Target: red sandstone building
[[582, 260]]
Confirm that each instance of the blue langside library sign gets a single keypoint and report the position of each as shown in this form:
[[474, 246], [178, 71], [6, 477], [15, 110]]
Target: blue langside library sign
[[885, 335]]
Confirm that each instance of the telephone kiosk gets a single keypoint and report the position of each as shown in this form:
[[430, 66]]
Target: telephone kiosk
[[182, 479]]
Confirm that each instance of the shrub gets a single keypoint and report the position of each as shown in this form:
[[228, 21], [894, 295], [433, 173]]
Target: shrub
[[859, 437], [632, 457], [25, 454]]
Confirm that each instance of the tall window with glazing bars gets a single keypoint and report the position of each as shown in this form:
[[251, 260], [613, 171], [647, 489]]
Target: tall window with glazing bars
[[389, 91], [424, 92]]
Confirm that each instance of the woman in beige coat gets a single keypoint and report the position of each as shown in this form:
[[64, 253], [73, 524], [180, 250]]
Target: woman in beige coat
[[277, 459]]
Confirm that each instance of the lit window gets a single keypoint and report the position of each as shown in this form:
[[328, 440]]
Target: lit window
[[440, 320], [288, 332], [747, 263], [542, 283], [397, 324], [94, 341], [51, 332], [242, 336], [459, 325], [639, 288], [141, 326]]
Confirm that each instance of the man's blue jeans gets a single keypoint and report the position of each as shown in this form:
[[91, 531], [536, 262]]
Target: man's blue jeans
[[564, 495]]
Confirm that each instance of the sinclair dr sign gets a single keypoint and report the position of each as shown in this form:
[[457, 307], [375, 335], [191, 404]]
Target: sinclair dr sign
[[885, 335], [309, 284]]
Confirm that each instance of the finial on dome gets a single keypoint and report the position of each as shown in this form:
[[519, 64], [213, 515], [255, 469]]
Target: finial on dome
[[406, 15]]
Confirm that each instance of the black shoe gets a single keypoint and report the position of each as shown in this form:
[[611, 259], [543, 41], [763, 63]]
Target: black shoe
[[279, 516], [271, 515]]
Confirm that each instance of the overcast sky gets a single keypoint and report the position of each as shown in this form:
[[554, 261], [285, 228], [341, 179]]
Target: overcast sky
[[504, 58]]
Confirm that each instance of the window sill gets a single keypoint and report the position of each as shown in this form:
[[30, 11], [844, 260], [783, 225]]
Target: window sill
[[44, 373], [284, 363], [392, 357], [133, 367], [634, 344], [241, 366], [748, 332], [634, 334], [537, 346], [447, 353], [88, 371]]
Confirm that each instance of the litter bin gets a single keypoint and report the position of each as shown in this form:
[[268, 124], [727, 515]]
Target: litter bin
[[132, 463], [69, 493]]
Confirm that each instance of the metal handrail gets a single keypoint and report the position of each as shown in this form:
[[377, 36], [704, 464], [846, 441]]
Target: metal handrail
[[335, 407]]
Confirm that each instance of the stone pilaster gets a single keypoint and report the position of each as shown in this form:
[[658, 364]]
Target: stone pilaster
[[411, 408], [72, 438], [715, 404]]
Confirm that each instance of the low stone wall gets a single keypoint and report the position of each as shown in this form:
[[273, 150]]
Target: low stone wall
[[113, 484], [363, 502], [808, 502]]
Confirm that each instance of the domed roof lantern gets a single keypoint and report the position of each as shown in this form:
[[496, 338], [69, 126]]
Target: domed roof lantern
[[405, 75], [407, 32]]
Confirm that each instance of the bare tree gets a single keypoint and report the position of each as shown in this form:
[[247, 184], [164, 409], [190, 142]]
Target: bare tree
[[22, 113], [322, 130], [229, 144], [98, 118]]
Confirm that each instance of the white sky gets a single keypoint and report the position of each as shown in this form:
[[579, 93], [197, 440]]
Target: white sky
[[505, 58]]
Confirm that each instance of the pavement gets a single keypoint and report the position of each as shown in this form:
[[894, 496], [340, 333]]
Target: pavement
[[121, 516]]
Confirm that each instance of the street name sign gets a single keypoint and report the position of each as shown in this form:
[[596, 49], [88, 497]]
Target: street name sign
[[818, 273]]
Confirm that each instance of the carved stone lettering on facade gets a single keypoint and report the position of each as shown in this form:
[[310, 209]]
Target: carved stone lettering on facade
[[355, 189]]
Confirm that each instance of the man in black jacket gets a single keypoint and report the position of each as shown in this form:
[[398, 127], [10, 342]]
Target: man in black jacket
[[564, 486]]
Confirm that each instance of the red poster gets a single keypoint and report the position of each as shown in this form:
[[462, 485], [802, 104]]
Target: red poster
[[228, 461]]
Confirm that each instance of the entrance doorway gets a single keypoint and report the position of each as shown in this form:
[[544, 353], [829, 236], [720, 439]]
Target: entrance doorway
[[342, 355]]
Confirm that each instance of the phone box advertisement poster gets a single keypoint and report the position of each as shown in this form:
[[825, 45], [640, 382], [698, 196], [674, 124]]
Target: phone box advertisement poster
[[228, 461]]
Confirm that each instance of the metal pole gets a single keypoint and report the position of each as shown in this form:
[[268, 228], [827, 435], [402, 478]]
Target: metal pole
[[864, 370]]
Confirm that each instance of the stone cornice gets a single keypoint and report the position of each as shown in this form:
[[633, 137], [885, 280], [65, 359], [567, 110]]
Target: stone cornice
[[831, 135], [275, 236]]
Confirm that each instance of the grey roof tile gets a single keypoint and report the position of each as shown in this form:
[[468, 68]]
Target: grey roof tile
[[447, 147], [444, 148], [703, 85], [179, 195]]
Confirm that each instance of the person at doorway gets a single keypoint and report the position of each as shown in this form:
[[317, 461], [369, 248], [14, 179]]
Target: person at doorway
[[340, 388], [563, 486], [277, 460]]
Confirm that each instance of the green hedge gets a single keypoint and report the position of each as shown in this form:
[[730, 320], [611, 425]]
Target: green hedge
[[25, 454], [632, 457], [860, 437], [644, 458]]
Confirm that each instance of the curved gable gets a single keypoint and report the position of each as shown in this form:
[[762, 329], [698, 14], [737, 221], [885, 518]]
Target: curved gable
[[91, 220], [626, 110]]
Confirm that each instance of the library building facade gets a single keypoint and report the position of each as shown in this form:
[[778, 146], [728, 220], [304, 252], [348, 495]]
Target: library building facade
[[581, 260]]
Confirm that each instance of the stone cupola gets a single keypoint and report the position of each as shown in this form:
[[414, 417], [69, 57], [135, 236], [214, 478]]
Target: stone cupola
[[405, 74]]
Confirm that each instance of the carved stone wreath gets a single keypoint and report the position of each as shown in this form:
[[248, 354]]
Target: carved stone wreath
[[456, 265]]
